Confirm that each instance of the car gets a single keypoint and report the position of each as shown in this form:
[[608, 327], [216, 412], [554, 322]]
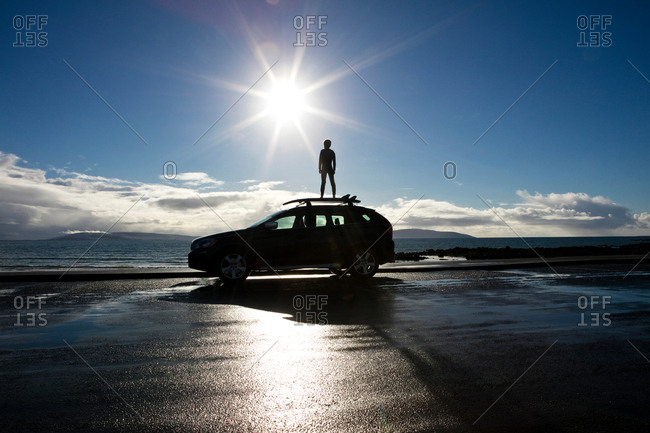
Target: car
[[336, 234]]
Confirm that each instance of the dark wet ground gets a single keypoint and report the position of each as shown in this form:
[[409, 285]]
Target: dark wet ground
[[449, 351]]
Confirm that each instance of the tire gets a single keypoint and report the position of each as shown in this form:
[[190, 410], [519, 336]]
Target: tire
[[364, 265], [233, 268]]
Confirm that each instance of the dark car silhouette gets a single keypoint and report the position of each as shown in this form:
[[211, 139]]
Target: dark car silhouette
[[338, 236]]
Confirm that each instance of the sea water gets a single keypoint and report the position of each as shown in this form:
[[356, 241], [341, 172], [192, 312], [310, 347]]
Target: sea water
[[66, 253]]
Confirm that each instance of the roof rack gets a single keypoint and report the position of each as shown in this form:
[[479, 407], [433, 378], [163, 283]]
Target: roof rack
[[346, 199]]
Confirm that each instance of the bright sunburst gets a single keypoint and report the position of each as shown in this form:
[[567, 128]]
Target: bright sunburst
[[285, 102], [285, 97]]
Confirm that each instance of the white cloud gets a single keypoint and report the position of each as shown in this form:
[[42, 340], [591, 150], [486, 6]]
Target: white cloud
[[566, 214], [76, 232], [196, 179], [265, 186], [8, 160], [37, 204]]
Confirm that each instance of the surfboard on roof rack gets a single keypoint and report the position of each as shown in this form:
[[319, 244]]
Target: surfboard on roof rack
[[346, 199]]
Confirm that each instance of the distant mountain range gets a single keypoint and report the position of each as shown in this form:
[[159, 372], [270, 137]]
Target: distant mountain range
[[121, 236], [427, 234]]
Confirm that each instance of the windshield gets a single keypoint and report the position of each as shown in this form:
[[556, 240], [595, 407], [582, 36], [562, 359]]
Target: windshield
[[265, 219]]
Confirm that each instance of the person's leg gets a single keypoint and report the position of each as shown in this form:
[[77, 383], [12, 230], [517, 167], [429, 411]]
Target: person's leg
[[333, 184], [322, 183]]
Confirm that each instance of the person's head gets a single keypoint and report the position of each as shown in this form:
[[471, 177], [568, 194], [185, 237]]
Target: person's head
[[327, 143]]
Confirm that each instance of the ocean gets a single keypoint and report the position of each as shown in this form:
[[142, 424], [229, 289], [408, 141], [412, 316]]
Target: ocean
[[63, 254]]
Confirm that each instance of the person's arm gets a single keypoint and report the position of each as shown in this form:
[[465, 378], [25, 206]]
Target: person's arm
[[333, 162], [320, 162]]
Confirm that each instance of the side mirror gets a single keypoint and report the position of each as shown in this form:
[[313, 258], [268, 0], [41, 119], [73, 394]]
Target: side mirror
[[271, 225]]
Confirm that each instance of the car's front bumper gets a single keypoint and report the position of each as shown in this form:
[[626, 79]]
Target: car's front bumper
[[200, 259]]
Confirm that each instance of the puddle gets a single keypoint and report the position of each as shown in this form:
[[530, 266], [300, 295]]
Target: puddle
[[100, 322]]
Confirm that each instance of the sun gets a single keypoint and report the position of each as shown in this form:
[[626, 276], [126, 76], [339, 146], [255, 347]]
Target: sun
[[283, 105], [285, 102]]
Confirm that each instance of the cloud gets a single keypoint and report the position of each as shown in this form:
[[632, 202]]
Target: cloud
[[8, 160], [265, 186], [214, 200], [38, 204], [76, 232], [577, 211], [196, 179], [565, 214]]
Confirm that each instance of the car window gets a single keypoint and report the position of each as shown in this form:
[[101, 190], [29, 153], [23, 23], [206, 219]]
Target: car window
[[321, 220], [266, 218], [338, 219], [285, 222], [326, 219]]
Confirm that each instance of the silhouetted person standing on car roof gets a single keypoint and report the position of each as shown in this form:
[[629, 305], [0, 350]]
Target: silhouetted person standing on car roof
[[327, 167]]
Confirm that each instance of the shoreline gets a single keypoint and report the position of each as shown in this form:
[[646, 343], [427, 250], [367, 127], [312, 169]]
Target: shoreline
[[490, 253], [100, 274]]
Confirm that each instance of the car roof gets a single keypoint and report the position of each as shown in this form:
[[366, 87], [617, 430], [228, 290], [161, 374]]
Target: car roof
[[331, 208], [346, 199]]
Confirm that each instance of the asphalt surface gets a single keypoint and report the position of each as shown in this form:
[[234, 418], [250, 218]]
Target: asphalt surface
[[445, 351], [99, 274]]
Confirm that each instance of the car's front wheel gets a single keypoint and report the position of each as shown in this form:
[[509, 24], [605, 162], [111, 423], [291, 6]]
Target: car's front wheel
[[232, 268], [365, 265]]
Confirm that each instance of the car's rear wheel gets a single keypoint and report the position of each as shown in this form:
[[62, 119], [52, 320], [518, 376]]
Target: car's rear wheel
[[364, 265], [233, 268]]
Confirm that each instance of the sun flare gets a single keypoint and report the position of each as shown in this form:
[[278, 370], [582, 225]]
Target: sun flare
[[285, 102], [285, 105]]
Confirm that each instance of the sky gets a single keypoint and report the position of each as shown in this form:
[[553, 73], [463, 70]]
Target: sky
[[490, 118]]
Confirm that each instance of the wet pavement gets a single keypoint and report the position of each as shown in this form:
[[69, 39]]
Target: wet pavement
[[448, 351]]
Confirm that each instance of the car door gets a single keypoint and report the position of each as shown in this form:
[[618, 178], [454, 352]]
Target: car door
[[331, 239], [288, 244], [319, 227], [353, 236], [305, 244], [273, 244], [308, 237]]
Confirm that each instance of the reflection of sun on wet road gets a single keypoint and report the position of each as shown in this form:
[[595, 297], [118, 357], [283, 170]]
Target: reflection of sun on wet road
[[408, 352]]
